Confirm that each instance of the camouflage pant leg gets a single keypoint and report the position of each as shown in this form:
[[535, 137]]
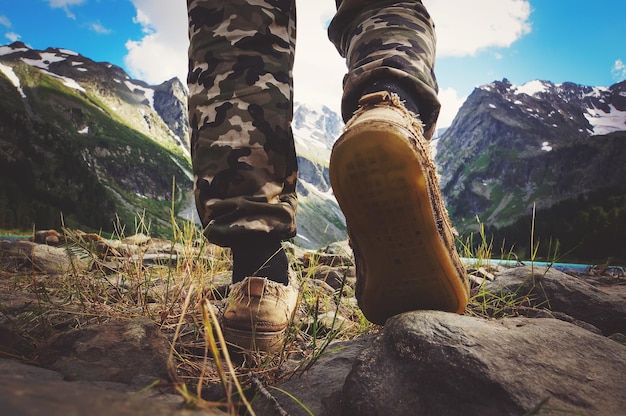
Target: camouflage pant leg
[[240, 110], [387, 39]]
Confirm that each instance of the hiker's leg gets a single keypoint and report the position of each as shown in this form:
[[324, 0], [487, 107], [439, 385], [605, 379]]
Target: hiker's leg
[[240, 109], [387, 40], [381, 169]]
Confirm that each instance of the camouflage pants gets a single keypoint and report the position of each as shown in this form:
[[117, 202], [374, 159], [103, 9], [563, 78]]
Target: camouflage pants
[[241, 56]]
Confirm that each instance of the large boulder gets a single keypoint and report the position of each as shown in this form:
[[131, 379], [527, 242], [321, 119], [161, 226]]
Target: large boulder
[[550, 289], [436, 363]]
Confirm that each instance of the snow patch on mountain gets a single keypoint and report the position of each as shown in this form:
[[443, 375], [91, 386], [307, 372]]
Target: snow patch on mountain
[[597, 110], [147, 92], [68, 82], [318, 218], [7, 50], [531, 88], [69, 52], [597, 92], [10, 74], [44, 62], [605, 123]]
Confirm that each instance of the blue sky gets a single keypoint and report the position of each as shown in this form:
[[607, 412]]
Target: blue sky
[[479, 41]]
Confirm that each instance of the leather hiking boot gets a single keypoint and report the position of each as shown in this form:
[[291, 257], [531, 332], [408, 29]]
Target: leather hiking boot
[[385, 181], [257, 314]]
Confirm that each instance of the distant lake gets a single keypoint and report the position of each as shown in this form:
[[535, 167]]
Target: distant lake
[[562, 267]]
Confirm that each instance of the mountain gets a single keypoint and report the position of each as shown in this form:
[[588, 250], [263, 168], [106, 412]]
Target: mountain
[[319, 217], [542, 146], [83, 140]]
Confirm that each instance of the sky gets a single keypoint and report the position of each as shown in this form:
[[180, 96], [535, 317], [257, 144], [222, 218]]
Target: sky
[[479, 41]]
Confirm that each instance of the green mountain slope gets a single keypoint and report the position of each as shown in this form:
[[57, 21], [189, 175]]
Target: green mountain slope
[[64, 152]]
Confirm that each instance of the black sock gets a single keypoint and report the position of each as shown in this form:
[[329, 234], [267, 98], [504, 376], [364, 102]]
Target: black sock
[[260, 257], [393, 86]]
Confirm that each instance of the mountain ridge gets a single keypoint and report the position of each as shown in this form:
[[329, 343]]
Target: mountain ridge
[[510, 150], [129, 139], [513, 150]]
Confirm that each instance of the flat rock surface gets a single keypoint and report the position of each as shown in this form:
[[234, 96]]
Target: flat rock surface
[[26, 390]]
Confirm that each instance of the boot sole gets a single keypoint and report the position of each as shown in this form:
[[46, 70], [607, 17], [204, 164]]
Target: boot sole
[[381, 184]]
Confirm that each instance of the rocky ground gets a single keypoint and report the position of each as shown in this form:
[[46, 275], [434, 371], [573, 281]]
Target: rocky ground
[[101, 327]]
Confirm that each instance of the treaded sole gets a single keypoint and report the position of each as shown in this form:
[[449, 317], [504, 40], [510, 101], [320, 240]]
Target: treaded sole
[[381, 186]]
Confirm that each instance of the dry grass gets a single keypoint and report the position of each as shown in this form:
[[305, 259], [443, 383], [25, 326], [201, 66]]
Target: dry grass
[[184, 294]]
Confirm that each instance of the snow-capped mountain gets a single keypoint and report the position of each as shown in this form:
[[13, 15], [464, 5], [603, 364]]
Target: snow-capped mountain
[[543, 145], [157, 111], [315, 130], [603, 108], [85, 145], [85, 139]]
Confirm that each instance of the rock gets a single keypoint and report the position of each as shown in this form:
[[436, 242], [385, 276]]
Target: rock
[[50, 237], [131, 352], [328, 321], [16, 255], [436, 363], [32, 391], [529, 312], [340, 248], [335, 276], [314, 259], [318, 388], [83, 237], [423, 363], [560, 292], [137, 240]]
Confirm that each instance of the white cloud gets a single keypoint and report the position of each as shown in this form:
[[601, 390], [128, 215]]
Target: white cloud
[[468, 27], [162, 53], [99, 28], [619, 70], [4, 21], [319, 70], [13, 37], [65, 5], [143, 20], [450, 105]]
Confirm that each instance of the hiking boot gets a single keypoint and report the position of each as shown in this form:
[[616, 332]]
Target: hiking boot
[[257, 314], [385, 181]]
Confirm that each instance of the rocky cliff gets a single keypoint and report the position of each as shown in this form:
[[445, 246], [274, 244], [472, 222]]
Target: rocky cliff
[[512, 148]]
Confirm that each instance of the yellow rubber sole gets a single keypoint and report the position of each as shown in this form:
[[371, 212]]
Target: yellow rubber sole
[[381, 186]]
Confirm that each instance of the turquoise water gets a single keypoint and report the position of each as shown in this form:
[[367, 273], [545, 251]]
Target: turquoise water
[[563, 267], [14, 237]]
